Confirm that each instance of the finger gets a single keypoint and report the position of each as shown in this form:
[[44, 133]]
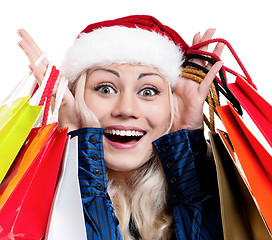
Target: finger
[[206, 83], [38, 74], [207, 36], [29, 40], [32, 55], [217, 51], [28, 50], [31, 49], [196, 38]]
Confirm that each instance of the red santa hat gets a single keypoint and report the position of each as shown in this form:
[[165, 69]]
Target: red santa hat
[[137, 39]]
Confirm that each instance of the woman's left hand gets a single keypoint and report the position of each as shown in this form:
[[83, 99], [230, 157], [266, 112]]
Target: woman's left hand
[[189, 96]]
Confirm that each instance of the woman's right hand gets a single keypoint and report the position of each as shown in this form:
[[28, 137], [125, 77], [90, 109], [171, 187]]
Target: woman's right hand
[[68, 116]]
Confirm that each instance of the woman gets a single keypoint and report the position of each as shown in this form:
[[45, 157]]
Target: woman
[[143, 166]]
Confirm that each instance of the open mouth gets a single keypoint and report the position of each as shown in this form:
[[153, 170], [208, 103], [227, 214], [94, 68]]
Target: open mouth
[[123, 136]]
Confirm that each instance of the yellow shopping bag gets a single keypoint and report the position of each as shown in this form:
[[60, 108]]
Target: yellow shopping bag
[[16, 121]]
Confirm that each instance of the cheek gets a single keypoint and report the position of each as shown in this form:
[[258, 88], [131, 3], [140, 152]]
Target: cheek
[[98, 107], [159, 116]]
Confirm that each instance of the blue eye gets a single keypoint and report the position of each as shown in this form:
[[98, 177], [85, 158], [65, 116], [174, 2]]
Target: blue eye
[[105, 89], [149, 92]]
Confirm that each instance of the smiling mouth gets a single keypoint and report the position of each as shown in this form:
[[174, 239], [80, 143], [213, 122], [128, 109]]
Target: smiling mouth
[[123, 136]]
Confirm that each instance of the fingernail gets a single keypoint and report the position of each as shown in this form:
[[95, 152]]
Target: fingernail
[[19, 33], [19, 44], [30, 67]]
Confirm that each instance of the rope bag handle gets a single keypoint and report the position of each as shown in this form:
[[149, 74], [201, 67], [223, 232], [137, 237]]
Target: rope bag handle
[[47, 94], [195, 50], [62, 86], [42, 94], [220, 84], [212, 98]]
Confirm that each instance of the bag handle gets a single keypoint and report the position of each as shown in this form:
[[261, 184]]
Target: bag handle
[[42, 95], [220, 84], [16, 90], [47, 94], [63, 84], [195, 50]]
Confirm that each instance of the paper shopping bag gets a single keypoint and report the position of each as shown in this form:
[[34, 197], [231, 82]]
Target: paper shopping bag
[[17, 117], [38, 138], [255, 172], [66, 219], [257, 108], [240, 217], [27, 191], [262, 150], [259, 145], [16, 122]]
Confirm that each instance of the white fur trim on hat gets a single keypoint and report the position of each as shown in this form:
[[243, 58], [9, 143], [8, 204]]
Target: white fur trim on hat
[[118, 44]]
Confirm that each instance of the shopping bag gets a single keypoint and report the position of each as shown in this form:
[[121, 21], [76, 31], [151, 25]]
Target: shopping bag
[[27, 191], [16, 122], [241, 218], [19, 114], [256, 171], [262, 150], [24, 159], [257, 108], [66, 219]]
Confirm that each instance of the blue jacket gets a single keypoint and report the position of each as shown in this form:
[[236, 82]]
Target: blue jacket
[[190, 175]]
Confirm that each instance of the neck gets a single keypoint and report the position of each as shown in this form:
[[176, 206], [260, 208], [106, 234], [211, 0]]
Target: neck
[[120, 176]]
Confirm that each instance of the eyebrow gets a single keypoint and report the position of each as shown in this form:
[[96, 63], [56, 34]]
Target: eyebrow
[[107, 70], [149, 74], [118, 75]]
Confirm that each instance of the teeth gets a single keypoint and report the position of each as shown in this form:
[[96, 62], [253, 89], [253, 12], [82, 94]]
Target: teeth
[[124, 132]]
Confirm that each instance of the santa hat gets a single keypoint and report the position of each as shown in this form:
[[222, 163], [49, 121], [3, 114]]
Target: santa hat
[[137, 39]]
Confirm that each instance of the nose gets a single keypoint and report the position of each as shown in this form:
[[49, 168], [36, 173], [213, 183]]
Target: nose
[[126, 106]]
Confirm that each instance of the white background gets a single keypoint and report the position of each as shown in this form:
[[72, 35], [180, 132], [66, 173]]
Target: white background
[[54, 25]]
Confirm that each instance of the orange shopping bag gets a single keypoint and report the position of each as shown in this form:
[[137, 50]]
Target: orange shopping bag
[[255, 169]]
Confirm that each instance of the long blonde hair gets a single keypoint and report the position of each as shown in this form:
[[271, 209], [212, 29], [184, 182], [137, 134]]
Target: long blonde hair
[[142, 199]]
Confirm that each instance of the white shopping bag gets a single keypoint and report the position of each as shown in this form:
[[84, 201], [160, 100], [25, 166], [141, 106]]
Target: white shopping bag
[[66, 221]]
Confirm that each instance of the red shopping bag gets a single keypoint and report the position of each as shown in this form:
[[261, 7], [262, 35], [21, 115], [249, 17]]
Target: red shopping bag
[[29, 187], [255, 165], [258, 108]]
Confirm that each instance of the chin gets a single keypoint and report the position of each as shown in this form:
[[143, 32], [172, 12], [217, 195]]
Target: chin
[[125, 163]]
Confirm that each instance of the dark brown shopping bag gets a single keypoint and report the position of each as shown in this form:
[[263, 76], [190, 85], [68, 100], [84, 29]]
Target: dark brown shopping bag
[[240, 216]]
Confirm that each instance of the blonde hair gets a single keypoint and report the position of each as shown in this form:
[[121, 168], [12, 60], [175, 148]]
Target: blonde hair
[[142, 199]]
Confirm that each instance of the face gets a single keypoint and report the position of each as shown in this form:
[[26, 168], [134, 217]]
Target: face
[[132, 104]]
